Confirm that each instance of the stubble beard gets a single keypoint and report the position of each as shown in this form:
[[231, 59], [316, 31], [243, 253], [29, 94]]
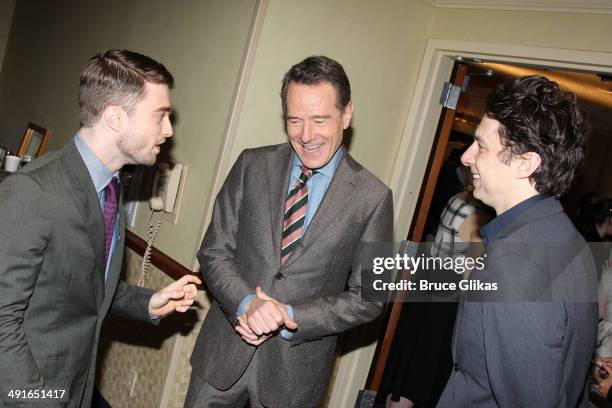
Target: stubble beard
[[132, 154]]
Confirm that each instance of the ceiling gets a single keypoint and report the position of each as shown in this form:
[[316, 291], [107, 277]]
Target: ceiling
[[573, 6]]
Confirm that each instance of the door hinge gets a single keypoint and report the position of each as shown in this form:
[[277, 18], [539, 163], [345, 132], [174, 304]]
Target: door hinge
[[450, 95]]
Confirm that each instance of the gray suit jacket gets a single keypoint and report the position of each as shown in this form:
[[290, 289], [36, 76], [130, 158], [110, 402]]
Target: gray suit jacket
[[530, 343], [321, 279], [53, 297]]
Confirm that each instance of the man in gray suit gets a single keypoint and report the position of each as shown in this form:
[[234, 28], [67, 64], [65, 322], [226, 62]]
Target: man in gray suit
[[62, 236], [528, 344], [281, 254]]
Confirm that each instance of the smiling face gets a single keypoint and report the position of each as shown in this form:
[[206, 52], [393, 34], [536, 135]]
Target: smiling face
[[148, 127], [494, 181], [315, 125]]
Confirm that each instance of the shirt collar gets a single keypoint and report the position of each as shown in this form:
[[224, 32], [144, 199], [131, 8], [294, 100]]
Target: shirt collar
[[329, 169], [99, 173], [491, 231]]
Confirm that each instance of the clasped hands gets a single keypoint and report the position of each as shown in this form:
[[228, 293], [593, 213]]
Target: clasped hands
[[262, 319]]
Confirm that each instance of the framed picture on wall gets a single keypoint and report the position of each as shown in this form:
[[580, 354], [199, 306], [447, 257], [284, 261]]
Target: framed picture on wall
[[34, 140]]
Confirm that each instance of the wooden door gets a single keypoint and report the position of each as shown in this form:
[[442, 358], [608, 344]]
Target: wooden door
[[436, 159]]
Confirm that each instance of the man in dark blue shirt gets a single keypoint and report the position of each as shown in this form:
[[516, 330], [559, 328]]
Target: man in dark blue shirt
[[528, 343]]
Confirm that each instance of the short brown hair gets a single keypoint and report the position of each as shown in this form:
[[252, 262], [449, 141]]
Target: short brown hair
[[117, 77], [315, 70]]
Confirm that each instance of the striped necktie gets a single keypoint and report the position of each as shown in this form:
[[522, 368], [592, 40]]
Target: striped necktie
[[295, 213]]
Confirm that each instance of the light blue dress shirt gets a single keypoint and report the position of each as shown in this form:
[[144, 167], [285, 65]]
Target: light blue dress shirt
[[317, 186], [101, 176]]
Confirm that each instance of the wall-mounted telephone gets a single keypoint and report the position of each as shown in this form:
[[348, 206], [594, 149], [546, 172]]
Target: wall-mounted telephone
[[165, 187], [166, 183]]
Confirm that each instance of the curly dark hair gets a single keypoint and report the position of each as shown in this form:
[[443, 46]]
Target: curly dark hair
[[536, 115], [315, 70]]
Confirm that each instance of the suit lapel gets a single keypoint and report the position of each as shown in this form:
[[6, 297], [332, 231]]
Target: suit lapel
[[85, 197], [340, 192], [278, 174]]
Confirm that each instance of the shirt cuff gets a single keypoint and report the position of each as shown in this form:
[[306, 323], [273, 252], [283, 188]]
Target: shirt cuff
[[245, 302], [286, 334]]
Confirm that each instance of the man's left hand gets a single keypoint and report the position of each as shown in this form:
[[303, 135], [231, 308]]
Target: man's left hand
[[177, 296]]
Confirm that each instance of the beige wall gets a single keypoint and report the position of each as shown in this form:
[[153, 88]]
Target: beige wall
[[540, 29]]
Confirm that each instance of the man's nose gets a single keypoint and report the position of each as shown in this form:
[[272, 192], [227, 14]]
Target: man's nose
[[467, 158], [307, 133], [167, 129]]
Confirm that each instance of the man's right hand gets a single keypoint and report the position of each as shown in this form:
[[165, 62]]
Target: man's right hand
[[264, 315]]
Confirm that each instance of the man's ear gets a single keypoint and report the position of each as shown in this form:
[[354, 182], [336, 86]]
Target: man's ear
[[528, 163], [115, 118], [347, 115]]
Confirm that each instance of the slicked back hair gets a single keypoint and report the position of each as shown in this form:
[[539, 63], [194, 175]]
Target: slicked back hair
[[117, 77]]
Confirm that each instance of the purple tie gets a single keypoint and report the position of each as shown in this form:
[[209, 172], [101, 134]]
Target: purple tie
[[111, 198]]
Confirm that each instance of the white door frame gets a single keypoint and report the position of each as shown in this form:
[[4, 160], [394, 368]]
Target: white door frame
[[415, 146]]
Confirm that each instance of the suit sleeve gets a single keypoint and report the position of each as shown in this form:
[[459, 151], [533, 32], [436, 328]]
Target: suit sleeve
[[25, 231], [217, 255], [334, 314], [132, 302], [525, 342]]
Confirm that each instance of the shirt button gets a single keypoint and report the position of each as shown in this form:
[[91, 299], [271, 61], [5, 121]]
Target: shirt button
[[456, 367], [279, 276]]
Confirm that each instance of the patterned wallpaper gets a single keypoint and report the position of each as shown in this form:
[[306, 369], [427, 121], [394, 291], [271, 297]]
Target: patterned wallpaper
[[180, 371], [127, 346]]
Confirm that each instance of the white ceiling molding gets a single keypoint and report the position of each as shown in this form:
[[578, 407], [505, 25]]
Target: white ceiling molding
[[563, 6]]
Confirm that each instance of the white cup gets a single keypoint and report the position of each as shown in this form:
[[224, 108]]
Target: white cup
[[11, 163]]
